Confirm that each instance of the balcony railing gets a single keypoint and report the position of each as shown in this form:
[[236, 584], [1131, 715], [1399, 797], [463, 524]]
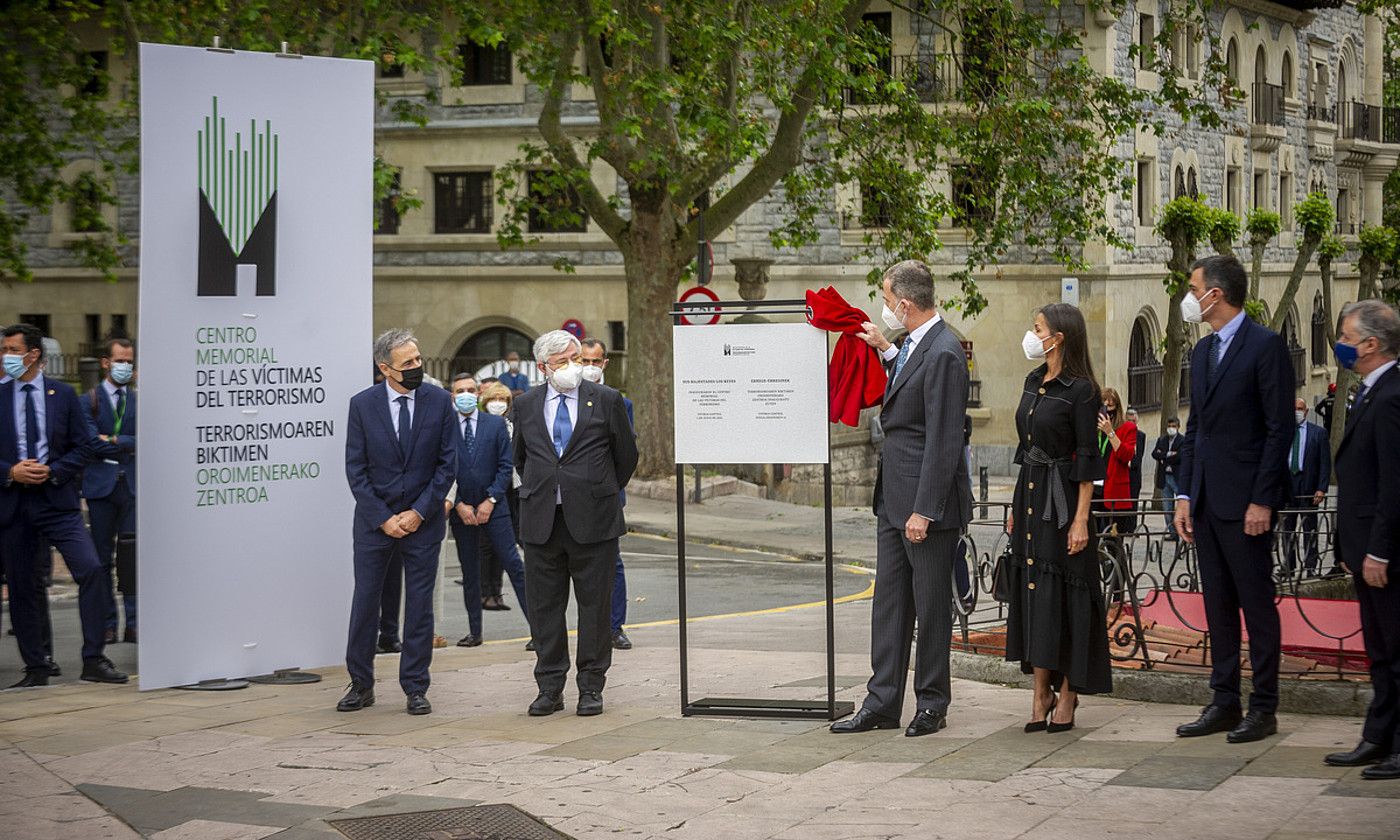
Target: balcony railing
[[933, 77], [1268, 103], [1322, 113], [1361, 122], [1390, 125]]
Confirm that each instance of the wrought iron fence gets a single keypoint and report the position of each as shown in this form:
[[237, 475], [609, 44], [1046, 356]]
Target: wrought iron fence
[[1361, 122], [933, 77], [1322, 113], [1390, 125], [1268, 103]]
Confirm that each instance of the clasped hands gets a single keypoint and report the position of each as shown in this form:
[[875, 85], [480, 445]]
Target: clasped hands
[[402, 524], [29, 471]]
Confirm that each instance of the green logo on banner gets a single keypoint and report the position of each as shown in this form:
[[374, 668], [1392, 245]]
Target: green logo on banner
[[238, 204]]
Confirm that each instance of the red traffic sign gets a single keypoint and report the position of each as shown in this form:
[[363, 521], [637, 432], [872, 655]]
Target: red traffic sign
[[575, 327], [699, 314]]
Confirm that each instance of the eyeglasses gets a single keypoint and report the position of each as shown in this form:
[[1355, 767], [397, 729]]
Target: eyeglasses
[[563, 363]]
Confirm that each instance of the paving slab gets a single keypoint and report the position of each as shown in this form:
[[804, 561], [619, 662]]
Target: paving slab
[[1179, 772]]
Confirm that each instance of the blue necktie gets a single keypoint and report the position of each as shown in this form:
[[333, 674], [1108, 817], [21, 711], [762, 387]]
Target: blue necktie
[[31, 423], [563, 427], [404, 424], [903, 357], [1212, 358], [467, 437]]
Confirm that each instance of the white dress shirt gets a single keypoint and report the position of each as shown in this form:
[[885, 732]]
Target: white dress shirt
[[915, 336], [394, 405], [1227, 332]]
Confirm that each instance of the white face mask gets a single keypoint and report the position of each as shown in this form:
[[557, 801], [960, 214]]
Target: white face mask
[[1191, 311], [497, 407], [1033, 346], [1299, 416], [1171, 431], [593, 374], [891, 316], [513, 366], [567, 379]]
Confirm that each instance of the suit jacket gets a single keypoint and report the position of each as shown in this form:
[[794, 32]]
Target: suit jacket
[[589, 476], [1135, 468], [1316, 474], [1368, 477], [384, 480], [486, 472], [1235, 450], [72, 445], [1167, 453], [100, 477], [922, 468]]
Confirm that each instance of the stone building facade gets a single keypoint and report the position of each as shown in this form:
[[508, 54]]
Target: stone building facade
[[1310, 121]]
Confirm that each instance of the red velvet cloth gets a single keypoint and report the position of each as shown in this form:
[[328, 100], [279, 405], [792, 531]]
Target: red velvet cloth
[[855, 379]]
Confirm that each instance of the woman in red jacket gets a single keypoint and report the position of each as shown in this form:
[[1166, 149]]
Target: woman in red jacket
[[1117, 443]]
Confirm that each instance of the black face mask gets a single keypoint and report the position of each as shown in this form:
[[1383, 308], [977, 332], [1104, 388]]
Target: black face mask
[[412, 378]]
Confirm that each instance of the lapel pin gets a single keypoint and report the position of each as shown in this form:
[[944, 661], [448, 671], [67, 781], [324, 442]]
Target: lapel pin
[[590, 402], [51, 394]]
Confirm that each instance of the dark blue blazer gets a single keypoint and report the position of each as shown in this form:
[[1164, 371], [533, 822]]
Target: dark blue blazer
[[100, 477], [486, 472], [1368, 478], [1317, 463], [384, 481], [1235, 450], [72, 445]]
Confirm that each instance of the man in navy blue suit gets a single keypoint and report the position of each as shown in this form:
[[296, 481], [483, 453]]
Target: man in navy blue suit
[[400, 459], [484, 466], [109, 484], [45, 441], [1309, 475], [1233, 476], [595, 363]]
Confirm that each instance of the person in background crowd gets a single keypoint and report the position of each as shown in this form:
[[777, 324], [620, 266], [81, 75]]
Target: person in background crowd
[[1135, 469], [514, 376], [400, 459], [1309, 476], [109, 484], [1056, 622], [480, 512], [922, 503], [1368, 522], [45, 442], [1167, 454], [1117, 445], [1232, 477], [595, 362], [1324, 408], [575, 452]]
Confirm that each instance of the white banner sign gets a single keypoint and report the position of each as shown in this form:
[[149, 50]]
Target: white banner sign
[[256, 194], [751, 394]]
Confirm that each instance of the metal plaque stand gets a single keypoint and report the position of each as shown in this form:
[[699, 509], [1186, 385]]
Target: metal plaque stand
[[828, 709], [286, 676], [214, 685]]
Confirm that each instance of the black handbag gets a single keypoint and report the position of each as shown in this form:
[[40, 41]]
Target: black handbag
[[1001, 576]]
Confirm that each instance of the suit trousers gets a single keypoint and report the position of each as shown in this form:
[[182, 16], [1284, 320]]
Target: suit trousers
[[420, 555], [549, 568], [43, 567], [619, 596], [1380, 631], [111, 516], [912, 581], [35, 525], [391, 601], [501, 536], [1236, 575]]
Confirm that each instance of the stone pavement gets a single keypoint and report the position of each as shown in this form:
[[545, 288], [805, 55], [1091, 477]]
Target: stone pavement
[[95, 761]]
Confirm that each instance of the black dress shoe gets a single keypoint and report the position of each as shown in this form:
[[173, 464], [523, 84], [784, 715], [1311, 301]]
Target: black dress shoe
[[469, 641], [620, 641], [926, 722], [1365, 753], [864, 720], [100, 669], [1256, 726], [589, 703], [1039, 725], [546, 704], [389, 646], [530, 645], [32, 678], [1388, 769], [1052, 727], [418, 704], [54, 670], [357, 698], [1213, 719]]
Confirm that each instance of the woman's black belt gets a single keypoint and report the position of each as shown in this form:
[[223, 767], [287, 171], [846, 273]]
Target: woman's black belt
[[1055, 503]]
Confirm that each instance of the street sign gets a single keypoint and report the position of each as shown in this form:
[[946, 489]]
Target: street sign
[[700, 314]]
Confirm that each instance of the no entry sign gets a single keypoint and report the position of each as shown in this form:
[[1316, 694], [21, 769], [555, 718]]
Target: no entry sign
[[699, 315]]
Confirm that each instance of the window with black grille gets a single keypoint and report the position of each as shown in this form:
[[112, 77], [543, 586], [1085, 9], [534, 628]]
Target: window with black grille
[[462, 202], [483, 65], [387, 208]]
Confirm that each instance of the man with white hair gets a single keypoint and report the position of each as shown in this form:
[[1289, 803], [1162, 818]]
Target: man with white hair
[[575, 451]]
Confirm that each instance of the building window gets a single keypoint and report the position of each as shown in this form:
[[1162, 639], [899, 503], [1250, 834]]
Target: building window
[[483, 353], [1178, 183], [1296, 353], [42, 322], [1341, 85], [1319, 332], [118, 329], [1344, 211], [1232, 63], [617, 336], [1285, 200], [1145, 190], [483, 65], [92, 333], [86, 208], [882, 23], [1287, 74], [1147, 31], [391, 71], [387, 208], [462, 202], [1144, 370], [94, 67], [1232, 189], [874, 209], [1261, 191], [972, 201], [555, 206], [1192, 189]]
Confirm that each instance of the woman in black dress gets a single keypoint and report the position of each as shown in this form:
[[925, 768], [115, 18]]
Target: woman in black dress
[[1056, 626]]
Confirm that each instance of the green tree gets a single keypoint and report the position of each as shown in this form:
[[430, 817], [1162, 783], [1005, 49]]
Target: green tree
[[1314, 215], [1184, 223], [1262, 226]]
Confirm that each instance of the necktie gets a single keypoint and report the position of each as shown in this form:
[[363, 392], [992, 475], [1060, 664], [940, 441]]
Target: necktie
[[121, 412], [403, 424], [1213, 357], [1295, 463], [1360, 395], [903, 357], [563, 426], [31, 423], [467, 437]]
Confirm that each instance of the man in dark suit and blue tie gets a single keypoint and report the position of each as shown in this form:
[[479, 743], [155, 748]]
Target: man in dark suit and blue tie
[[575, 451], [1309, 476], [109, 484], [400, 460], [45, 441], [1368, 521], [484, 466], [1232, 478]]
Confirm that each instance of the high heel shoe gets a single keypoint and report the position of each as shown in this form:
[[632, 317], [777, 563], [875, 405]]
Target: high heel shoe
[[1053, 727], [1041, 725]]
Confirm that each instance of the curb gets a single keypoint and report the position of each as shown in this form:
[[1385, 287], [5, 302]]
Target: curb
[[805, 556]]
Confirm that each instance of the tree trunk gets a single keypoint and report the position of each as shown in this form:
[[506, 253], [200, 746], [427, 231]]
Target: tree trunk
[[1370, 268], [1183, 255], [1256, 266], [1339, 409], [1295, 279]]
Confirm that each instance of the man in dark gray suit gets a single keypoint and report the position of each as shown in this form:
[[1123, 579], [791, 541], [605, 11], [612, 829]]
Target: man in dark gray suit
[[923, 501], [575, 451]]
